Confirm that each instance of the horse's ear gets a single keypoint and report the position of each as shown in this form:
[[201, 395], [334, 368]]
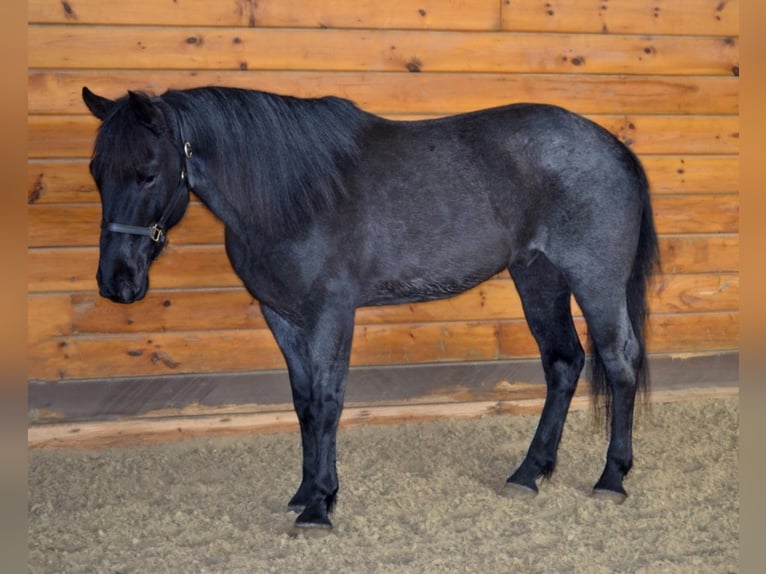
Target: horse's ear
[[146, 111], [99, 107]]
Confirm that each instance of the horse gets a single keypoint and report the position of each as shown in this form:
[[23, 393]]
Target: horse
[[328, 208]]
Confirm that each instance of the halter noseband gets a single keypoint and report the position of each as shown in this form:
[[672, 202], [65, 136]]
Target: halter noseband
[[156, 231]]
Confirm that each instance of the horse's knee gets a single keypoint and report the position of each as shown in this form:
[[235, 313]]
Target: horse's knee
[[622, 359], [563, 370]]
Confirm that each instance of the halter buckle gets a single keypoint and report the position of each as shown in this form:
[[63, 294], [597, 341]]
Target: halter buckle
[[156, 233]]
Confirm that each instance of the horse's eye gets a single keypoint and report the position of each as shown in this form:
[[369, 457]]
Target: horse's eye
[[145, 180]]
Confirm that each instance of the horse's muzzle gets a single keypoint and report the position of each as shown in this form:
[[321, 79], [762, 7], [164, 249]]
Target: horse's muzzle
[[122, 290]]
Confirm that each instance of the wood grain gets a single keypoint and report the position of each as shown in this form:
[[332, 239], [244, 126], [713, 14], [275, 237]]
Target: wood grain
[[59, 92], [691, 174], [694, 134], [415, 14], [708, 17], [698, 17], [179, 48]]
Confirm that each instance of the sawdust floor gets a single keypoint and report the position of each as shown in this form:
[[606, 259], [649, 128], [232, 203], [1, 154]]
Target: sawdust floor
[[417, 497]]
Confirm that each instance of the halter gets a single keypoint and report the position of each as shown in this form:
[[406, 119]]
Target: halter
[[156, 231]]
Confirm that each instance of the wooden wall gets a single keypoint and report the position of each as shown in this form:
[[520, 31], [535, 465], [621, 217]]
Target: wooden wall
[[660, 74]]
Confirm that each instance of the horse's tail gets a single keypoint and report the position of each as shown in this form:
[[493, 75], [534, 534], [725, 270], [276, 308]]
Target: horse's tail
[[645, 264]]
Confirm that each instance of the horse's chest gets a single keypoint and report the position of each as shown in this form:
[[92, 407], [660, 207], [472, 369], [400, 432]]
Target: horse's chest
[[271, 276]]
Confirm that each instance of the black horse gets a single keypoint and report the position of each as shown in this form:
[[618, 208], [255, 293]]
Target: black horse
[[328, 208]]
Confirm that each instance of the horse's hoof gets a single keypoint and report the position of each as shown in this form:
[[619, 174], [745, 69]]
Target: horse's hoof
[[612, 495], [520, 491], [314, 516], [296, 508]]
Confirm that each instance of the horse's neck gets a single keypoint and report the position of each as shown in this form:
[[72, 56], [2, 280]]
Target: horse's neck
[[216, 203]]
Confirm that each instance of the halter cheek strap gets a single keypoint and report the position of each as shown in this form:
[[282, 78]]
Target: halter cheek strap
[[156, 231]]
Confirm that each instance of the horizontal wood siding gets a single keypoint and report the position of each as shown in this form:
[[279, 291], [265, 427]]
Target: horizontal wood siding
[[376, 51], [662, 76]]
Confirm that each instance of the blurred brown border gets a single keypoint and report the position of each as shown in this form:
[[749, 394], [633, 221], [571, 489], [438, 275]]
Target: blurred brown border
[[753, 271], [13, 235]]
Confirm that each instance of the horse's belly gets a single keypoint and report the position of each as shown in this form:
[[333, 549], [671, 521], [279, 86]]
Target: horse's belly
[[414, 290], [426, 284], [402, 272]]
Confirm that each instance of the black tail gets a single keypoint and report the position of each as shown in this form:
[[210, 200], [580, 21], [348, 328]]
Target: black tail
[[645, 265]]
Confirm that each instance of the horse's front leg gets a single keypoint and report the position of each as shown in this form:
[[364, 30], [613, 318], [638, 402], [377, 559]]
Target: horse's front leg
[[317, 356], [292, 342]]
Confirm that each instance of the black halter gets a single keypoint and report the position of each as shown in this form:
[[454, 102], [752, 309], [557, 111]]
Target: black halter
[[156, 231]]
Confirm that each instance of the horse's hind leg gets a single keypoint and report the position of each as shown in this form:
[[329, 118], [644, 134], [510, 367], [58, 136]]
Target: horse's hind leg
[[545, 297], [620, 352]]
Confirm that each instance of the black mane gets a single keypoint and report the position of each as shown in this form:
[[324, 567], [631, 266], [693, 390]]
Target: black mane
[[278, 160]]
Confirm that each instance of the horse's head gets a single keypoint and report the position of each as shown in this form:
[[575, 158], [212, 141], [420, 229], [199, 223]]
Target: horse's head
[[139, 165]]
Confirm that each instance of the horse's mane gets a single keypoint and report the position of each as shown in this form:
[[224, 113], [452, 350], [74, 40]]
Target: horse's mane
[[278, 160]]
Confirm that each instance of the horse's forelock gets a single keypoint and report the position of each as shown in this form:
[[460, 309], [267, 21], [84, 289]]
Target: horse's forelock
[[125, 136]]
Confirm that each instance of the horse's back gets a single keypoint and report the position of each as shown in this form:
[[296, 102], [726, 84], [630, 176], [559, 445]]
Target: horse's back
[[444, 204]]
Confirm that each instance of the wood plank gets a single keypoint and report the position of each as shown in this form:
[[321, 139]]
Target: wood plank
[[411, 14], [147, 431], [691, 174], [95, 435], [78, 225], [692, 134], [708, 17], [72, 137], [693, 333], [52, 92], [696, 213], [268, 391], [77, 357], [179, 266], [424, 343], [49, 316], [68, 181], [700, 17], [683, 333], [699, 253], [74, 269], [695, 293], [117, 48], [69, 137], [61, 314], [60, 181], [154, 353]]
